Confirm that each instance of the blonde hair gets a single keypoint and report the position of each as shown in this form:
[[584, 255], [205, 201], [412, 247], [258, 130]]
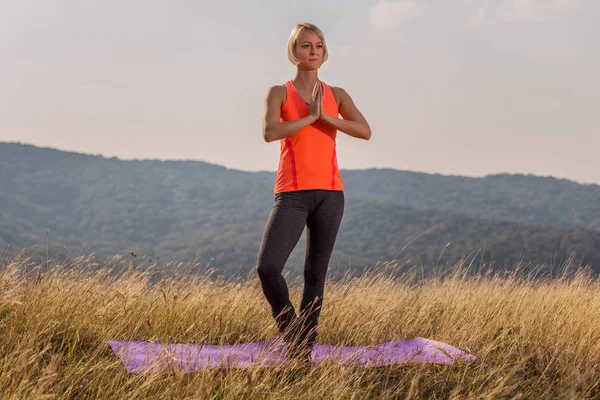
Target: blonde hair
[[296, 32]]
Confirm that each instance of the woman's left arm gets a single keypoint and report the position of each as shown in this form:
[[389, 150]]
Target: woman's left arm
[[353, 122]]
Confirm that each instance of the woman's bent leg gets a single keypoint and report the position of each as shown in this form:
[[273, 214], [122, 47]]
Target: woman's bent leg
[[282, 232]]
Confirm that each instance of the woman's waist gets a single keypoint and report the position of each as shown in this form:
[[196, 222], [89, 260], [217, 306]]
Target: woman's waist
[[316, 157]]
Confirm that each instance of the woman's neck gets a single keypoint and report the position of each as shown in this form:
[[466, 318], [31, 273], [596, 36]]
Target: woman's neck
[[306, 79]]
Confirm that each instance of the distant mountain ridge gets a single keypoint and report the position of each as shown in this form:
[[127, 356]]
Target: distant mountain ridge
[[193, 208], [519, 198]]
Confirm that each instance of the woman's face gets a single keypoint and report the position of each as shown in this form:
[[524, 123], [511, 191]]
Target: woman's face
[[309, 50]]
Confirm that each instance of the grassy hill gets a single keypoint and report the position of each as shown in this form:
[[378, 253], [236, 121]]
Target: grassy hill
[[533, 339]]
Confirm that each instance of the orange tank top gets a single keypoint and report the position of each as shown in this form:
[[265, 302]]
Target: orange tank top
[[308, 159]]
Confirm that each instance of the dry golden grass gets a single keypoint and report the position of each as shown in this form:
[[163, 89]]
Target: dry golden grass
[[533, 338]]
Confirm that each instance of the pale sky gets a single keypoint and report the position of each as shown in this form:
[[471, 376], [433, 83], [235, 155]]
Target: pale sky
[[468, 87]]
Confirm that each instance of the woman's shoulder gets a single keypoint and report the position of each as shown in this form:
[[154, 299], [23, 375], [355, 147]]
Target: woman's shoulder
[[277, 92], [277, 89], [339, 93], [337, 90]]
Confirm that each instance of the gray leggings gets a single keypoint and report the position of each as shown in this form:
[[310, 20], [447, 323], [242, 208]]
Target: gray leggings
[[321, 212]]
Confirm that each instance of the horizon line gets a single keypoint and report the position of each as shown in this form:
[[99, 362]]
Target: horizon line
[[274, 171]]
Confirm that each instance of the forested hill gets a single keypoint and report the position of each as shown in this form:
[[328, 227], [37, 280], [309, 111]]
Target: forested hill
[[185, 209], [521, 198]]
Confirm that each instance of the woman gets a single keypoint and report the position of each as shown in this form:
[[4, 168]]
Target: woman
[[303, 115]]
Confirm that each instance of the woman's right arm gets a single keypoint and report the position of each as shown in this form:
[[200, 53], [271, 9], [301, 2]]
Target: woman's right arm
[[273, 128]]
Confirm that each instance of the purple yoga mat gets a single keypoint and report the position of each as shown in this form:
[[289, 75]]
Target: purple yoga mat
[[140, 357]]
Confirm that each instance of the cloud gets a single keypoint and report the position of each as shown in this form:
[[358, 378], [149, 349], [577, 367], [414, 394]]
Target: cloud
[[518, 11], [387, 13]]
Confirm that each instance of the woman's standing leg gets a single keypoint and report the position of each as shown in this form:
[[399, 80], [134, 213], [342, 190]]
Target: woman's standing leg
[[282, 232], [323, 224]]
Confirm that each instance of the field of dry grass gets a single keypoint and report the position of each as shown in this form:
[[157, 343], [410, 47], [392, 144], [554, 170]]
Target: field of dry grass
[[533, 338]]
